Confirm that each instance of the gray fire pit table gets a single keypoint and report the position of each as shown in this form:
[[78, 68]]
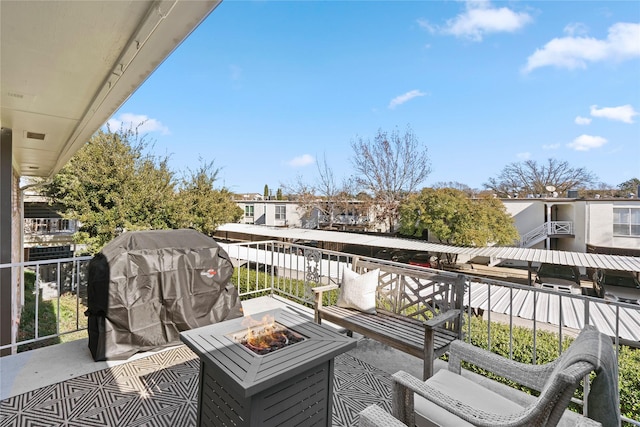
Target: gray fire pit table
[[290, 386]]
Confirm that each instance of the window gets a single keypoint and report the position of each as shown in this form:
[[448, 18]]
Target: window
[[248, 211], [626, 221], [281, 212]]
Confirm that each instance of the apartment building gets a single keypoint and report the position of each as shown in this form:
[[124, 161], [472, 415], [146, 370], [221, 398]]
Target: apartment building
[[607, 226]]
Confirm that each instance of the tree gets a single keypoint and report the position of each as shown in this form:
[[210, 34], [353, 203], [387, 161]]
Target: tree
[[389, 168], [279, 194], [629, 187], [453, 218], [204, 206], [470, 192], [266, 192], [325, 196], [528, 177], [110, 186]]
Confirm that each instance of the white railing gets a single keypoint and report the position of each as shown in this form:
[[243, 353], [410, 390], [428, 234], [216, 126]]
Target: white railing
[[50, 226], [551, 228], [38, 287], [291, 270]]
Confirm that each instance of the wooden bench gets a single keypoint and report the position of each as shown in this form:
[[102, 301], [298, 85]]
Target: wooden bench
[[418, 311]]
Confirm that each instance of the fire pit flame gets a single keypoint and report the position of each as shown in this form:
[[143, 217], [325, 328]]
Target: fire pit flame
[[267, 336]]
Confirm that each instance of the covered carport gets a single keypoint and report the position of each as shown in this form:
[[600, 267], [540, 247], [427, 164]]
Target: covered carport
[[495, 254], [66, 67]]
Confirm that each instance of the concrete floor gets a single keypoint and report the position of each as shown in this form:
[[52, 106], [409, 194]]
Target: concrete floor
[[22, 372]]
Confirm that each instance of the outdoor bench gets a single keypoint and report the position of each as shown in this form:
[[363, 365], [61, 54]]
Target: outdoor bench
[[417, 310]]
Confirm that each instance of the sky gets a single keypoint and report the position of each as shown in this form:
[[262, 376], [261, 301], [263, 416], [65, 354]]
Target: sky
[[266, 89]]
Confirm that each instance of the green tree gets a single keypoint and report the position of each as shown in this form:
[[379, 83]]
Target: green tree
[[629, 187], [110, 186], [389, 168], [279, 194], [266, 192], [453, 218], [204, 206]]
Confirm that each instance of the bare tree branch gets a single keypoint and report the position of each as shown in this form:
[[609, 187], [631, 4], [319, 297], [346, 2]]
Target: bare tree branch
[[529, 177], [388, 168]]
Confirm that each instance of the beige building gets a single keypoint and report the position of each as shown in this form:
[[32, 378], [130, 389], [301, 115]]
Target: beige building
[[608, 226]]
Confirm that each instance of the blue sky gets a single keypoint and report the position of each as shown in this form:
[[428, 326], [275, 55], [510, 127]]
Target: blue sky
[[264, 88]]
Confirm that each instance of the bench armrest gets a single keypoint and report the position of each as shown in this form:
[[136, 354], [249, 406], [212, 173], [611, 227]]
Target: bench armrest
[[441, 318], [320, 289], [317, 300]]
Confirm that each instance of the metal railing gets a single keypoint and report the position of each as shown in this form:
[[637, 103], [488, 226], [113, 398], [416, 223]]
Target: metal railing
[[50, 226], [291, 270], [550, 228], [38, 290]]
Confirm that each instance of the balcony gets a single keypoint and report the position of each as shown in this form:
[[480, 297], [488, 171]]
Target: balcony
[[554, 229], [152, 388], [49, 231]]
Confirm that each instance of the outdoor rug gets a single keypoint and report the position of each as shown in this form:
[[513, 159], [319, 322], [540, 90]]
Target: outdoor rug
[[161, 390]]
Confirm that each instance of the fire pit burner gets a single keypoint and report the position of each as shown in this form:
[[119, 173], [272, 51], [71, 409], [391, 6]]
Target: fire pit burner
[[267, 338], [291, 386]]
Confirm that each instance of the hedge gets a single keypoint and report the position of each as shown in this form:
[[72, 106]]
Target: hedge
[[547, 351]]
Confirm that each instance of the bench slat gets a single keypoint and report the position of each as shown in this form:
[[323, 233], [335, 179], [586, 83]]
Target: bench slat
[[398, 290], [404, 335]]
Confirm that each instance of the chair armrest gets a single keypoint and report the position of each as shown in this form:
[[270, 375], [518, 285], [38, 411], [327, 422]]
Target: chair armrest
[[532, 376], [404, 385], [441, 318], [375, 416]]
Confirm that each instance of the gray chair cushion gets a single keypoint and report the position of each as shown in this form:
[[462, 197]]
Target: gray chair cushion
[[429, 414]]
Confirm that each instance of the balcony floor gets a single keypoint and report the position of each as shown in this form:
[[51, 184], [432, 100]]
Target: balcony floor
[[62, 385]]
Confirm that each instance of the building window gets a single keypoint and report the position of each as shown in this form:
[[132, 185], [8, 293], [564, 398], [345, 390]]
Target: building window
[[281, 212], [248, 211], [626, 221]]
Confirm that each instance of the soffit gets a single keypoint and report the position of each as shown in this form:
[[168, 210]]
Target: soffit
[[67, 66]]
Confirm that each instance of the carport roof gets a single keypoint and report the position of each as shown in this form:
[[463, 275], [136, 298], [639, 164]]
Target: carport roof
[[613, 262]]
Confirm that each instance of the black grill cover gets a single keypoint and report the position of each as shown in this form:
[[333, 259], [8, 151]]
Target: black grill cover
[[145, 287]]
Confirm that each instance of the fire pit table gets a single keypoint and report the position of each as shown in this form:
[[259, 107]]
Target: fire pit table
[[249, 380]]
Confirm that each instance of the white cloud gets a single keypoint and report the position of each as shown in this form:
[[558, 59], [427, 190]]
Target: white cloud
[[622, 42], [524, 155], [550, 146], [624, 113], [143, 123], [399, 100], [304, 160], [575, 29], [582, 120], [423, 23], [587, 142], [482, 18]]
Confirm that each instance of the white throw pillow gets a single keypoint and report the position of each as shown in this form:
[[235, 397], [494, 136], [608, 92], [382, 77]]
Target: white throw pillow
[[358, 291]]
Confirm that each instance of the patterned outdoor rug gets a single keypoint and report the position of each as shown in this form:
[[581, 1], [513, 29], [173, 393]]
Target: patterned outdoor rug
[[161, 390]]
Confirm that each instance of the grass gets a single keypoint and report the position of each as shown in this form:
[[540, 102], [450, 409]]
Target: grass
[[69, 309]]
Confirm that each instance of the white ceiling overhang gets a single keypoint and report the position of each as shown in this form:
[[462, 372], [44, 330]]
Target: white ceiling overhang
[[67, 66]]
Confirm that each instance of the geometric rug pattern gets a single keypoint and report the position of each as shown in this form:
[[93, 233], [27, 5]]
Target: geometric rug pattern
[[161, 391]]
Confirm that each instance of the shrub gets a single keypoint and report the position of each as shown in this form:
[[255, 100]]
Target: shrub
[[547, 351]]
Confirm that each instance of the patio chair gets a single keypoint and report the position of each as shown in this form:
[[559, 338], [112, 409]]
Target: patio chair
[[452, 399]]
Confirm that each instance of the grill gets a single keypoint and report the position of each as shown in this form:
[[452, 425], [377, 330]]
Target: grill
[[290, 386]]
